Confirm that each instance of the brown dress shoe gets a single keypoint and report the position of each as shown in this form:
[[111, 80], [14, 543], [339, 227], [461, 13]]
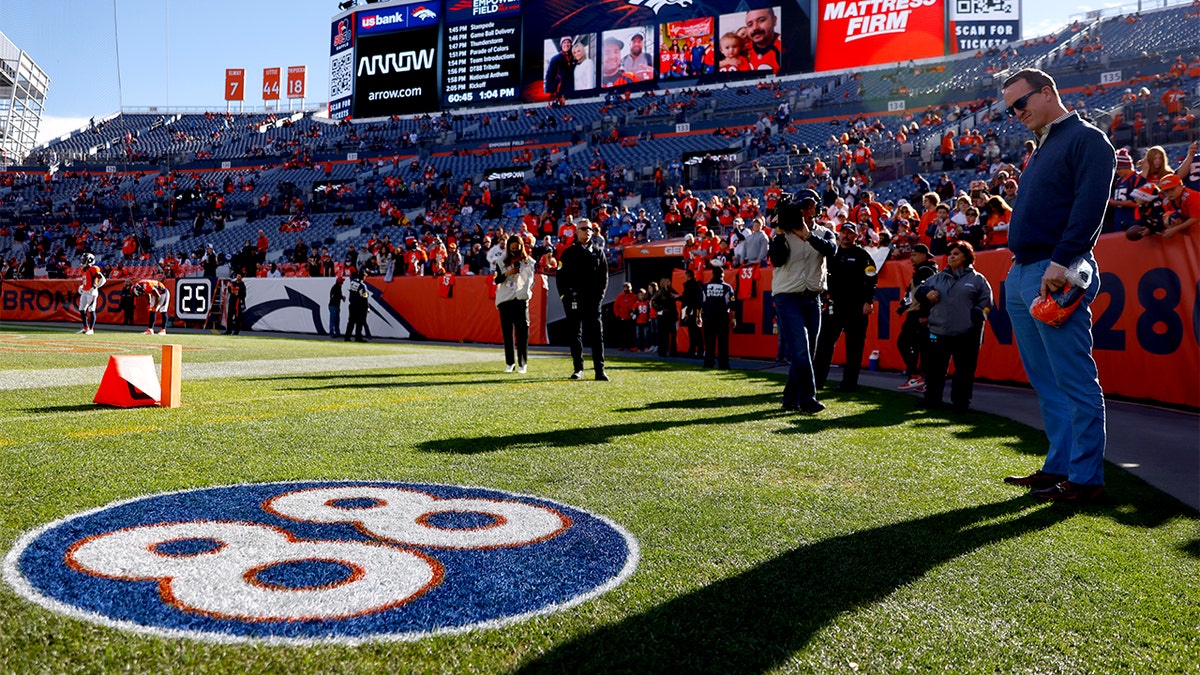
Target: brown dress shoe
[[1037, 480], [1067, 491]]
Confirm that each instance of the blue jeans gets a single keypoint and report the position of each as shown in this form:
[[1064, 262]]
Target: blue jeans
[[1059, 365], [799, 319], [335, 321]]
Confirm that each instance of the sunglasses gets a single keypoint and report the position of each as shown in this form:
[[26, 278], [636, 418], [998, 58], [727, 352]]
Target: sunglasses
[[1020, 103]]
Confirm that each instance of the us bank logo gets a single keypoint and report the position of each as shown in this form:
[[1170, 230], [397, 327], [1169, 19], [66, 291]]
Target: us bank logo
[[304, 563]]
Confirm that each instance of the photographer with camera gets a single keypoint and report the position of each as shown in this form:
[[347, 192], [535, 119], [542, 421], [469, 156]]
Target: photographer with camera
[[1151, 211], [582, 281], [798, 253], [514, 288]]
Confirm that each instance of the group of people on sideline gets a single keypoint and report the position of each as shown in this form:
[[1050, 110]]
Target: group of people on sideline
[[823, 286]]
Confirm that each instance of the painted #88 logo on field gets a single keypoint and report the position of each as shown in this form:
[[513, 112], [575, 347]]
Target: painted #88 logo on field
[[320, 562]]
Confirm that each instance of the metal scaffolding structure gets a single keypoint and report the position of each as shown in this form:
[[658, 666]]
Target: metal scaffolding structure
[[23, 87]]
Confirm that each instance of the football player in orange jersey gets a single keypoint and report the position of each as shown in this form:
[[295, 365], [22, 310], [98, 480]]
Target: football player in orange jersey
[[159, 298], [89, 290]]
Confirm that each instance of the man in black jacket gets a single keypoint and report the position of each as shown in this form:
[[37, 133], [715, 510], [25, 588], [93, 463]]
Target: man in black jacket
[[209, 262], [719, 300], [852, 278], [360, 296], [693, 302], [582, 280], [236, 305], [666, 303]]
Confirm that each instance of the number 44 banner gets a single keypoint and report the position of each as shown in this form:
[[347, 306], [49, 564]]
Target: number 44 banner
[[270, 88]]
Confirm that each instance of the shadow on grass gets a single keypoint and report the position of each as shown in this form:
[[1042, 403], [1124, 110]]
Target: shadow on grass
[[565, 438], [705, 403], [415, 374], [756, 620], [1191, 548], [353, 383], [52, 409], [620, 361], [874, 411], [876, 414], [976, 425]]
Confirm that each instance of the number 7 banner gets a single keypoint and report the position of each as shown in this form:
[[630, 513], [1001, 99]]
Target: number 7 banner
[[235, 84]]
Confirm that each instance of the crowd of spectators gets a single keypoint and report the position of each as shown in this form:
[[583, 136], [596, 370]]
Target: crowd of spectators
[[430, 221], [715, 228]]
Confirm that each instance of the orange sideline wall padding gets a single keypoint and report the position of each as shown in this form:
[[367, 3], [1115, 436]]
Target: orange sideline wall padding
[[58, 300], [1146, 319], [468, 315]]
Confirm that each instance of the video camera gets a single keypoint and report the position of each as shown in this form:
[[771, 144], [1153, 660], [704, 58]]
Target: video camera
[[1151, 212], [789, 209], [1152, 215]]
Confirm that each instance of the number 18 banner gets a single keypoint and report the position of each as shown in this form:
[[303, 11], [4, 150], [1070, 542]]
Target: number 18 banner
[[295, 81]]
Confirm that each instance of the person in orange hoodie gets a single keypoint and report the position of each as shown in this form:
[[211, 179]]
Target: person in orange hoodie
[[996, 226], [623, 307], [948, 151], [929, 202]]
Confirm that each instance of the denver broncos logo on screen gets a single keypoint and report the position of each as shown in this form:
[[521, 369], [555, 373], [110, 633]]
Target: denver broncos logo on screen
[[659, 4], [424, 13], [344, 561]]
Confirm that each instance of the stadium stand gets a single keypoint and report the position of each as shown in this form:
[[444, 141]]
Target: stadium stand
[[173, 182]]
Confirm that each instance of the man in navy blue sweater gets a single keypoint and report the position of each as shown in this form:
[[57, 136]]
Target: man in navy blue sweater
[[1059, 213]]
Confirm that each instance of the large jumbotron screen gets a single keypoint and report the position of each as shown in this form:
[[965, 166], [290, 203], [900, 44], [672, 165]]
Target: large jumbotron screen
[[414, 56]]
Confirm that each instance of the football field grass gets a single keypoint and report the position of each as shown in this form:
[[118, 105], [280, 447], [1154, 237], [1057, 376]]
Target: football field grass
[[872, 538]]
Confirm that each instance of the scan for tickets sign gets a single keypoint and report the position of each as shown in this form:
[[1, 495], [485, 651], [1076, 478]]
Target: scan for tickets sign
[[981, 24], [856, 33]]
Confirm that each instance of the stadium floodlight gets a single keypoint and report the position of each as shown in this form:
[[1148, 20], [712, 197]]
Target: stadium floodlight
[[23, 87], [345, 4]]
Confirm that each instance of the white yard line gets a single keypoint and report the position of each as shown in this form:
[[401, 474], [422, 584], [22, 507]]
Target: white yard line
[[64, 377]]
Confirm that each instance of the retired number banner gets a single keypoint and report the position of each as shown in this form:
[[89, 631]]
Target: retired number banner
[[296, 81], [235, 84], [270, 88]]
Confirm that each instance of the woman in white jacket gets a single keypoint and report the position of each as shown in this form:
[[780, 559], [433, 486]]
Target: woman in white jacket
[[514, 288]]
